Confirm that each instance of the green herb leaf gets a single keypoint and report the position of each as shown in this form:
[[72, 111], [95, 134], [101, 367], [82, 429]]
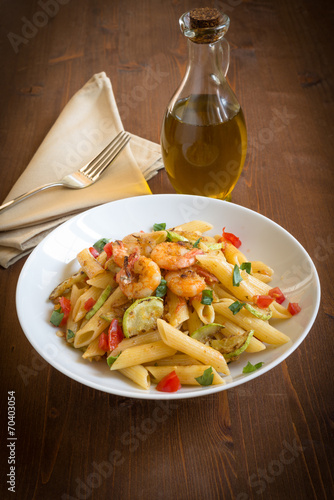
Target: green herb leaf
[[56, 317], [206, 378], [195, 245], [246, 266], [159, 226], [251, 368], [236, 306], [237, 279], [207, 297], [161, 290], [99, 245], [69, 335], [111, 359]]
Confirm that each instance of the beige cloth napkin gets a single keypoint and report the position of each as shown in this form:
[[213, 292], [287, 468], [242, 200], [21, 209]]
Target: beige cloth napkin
[[85, 126]]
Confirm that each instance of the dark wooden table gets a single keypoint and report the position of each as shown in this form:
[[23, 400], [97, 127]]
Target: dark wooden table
[[270, 438]]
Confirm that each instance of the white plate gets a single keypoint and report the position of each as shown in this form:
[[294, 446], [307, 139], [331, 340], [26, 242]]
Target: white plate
[[54, 259]]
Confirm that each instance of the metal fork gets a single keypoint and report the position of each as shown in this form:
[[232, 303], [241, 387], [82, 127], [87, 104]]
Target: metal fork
[[87, 175]]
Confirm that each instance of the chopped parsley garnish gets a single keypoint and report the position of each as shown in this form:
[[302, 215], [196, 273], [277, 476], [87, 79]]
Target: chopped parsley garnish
[[195, 245], [161, 290], [236, 307], [111, 359], [251, 368], [237, 279], [56, 317], [206, 378], [246, 266], [99, 245], [159, 226], [207, 297], [69, 335]]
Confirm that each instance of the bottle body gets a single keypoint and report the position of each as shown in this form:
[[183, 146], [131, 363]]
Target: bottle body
[[202, 149], [203, 135]]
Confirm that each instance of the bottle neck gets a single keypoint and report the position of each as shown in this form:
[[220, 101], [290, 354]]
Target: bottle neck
[[206, 67]]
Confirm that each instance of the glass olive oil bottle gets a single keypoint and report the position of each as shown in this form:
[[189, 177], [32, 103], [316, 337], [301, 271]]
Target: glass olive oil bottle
[[203, 136]]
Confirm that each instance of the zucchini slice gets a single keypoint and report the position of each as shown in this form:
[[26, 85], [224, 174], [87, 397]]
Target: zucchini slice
[[241, 349], [142, 315], [257, 313], [231, 346], [207, 333]]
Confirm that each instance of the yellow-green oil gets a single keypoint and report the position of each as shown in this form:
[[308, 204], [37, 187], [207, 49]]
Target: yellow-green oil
[[203, 149]]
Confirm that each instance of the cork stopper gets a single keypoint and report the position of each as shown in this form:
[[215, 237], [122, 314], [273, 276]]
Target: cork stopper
[[205, 17], [204, 24]]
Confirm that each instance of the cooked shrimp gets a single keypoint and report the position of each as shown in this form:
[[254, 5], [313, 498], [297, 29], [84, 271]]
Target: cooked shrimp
[[145, 242], [119, 251], [139, 276], [185, 282], [173, 256]]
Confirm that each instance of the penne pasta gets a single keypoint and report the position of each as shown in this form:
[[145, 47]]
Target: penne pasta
[[177, 309], [177, 340], [102, 280], [89, 265], [193, 322], [140, 354], [93, 350], [145, 338], [205, 312], [96, 324], [262, 329], [187, 374], [195, 225], [79, 310], [178, 359], [137, 374], [233, 255]]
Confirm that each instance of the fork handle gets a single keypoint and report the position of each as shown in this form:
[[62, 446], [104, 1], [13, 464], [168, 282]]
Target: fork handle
[[27, 194]]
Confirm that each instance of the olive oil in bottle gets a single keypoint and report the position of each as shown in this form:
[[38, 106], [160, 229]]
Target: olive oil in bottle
[[203, 135], [202, 153]]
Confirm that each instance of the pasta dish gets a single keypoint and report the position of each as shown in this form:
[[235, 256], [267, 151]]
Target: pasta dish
[[171, 307]]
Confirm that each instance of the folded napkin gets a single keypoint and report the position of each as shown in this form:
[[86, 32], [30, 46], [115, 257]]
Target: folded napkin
[[85, 126]]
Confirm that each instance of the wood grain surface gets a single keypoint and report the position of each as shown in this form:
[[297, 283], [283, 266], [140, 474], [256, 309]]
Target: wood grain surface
[[271, 438]]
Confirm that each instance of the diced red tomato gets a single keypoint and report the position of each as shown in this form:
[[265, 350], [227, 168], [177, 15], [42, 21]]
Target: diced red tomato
[[108, 249], [94, 252], [263, 301], [232, 238], [89, 303], [103, 342], [115, 335], [294, 308], [170, 383], [277, 295], [65, 305]]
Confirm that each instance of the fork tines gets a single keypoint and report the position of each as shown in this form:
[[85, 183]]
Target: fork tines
[[95, 168]]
